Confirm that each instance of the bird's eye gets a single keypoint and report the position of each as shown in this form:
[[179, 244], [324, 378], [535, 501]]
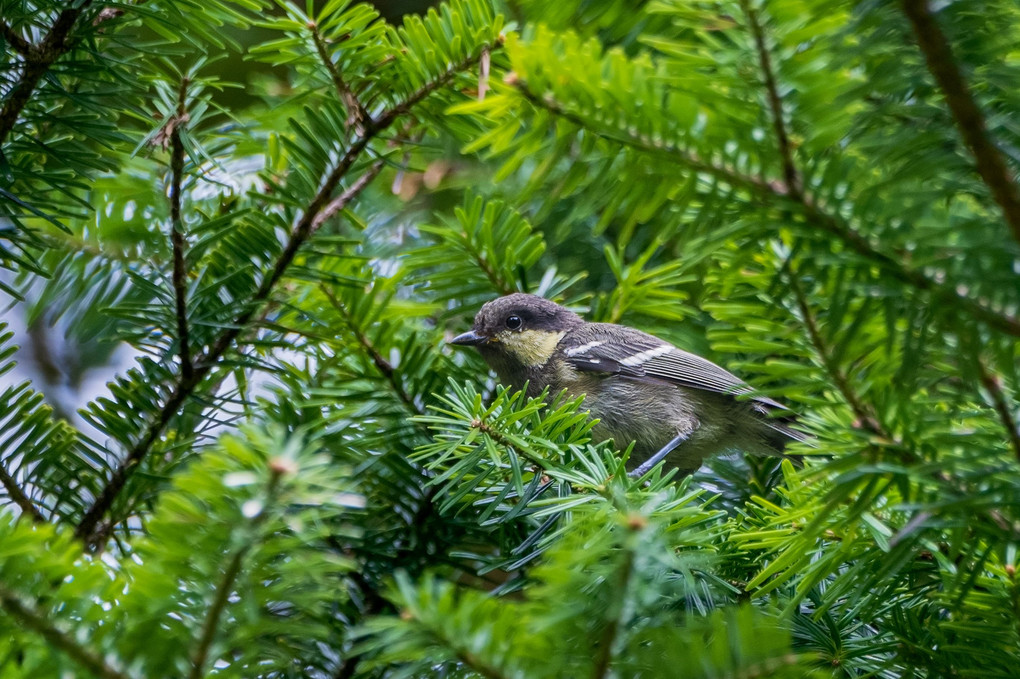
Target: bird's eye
[[514, 322]]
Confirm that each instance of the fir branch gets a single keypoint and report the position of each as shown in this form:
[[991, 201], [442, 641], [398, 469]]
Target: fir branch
[[305, 226], [38, 60], [384, 367], [754, 184], [180, 274], [345, 198], [816, 215], [463, 655], [14, 39], [1002, 407], [356, 112], [19, 497], [88, 528], [866, 417], [500, 285], [34, 621], [303, 229], [498, 436], [791, 176], [212, 618], [226, 584], [991, 165], [475, 663], [943, 293]]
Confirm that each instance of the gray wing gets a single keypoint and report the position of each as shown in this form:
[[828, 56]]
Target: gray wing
[[631, 353]]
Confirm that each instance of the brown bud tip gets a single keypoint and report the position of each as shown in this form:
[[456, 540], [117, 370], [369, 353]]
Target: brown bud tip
[[476, 424], [1010, 570], [511, 78], [280, 466], [311, 25], [406, 615], [636, 521]]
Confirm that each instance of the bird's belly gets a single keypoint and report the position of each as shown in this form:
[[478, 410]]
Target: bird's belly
[[653, 415]]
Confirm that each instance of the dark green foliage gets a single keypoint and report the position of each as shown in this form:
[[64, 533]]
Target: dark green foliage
[[296, 477]]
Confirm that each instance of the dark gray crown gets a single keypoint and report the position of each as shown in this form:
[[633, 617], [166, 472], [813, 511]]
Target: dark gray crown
[[537, 313]]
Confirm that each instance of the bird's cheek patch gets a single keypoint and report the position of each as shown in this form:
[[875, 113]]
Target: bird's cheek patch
[[531, 347]]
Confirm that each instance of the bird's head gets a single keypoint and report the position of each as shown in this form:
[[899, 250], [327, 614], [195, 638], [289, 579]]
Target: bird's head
[[518, 329]]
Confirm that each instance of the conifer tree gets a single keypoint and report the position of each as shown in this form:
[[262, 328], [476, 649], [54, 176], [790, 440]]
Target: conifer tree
[[284, 208]]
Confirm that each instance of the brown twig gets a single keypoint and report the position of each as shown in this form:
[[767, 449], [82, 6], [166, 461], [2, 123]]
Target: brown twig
[[14, 39], [866, 417], [754, 184], [38, 60], [356, 112], [498, 436], [36, 622], [345, 198], [18, 496], [831, 223], [226, 585], [991, 165], [180, 274], [1002, 407], [791, 176], [212, 617], [384, 367], [302, 230]]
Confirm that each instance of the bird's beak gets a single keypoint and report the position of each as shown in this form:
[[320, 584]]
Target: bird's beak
[[469, 339]]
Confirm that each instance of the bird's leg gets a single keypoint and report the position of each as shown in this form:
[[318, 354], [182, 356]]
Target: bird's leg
[[658, 457]]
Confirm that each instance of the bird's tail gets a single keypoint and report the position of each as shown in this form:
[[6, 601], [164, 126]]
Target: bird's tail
[[780, 434]]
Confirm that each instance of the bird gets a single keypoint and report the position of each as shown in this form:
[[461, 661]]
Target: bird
[[671, 404]]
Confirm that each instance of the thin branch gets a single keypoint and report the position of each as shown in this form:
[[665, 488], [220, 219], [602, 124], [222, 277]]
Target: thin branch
[[866, 417], [212, 618], [14, 39], [384, 367], [832, 224], [498, 436], [501, 286], [475, 663], [226, 585], [794, 189], [791, 176], [19, 497], [1002, 407], [991, 165], [302, 231], [345, 198], [88, 528], [792, 182], [180, 275], [356, 112], [943, 293], [39, 59], [32, 620], [754, 184], [464, 656]]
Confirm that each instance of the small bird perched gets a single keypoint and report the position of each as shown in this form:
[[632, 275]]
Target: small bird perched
[[638, 387]]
